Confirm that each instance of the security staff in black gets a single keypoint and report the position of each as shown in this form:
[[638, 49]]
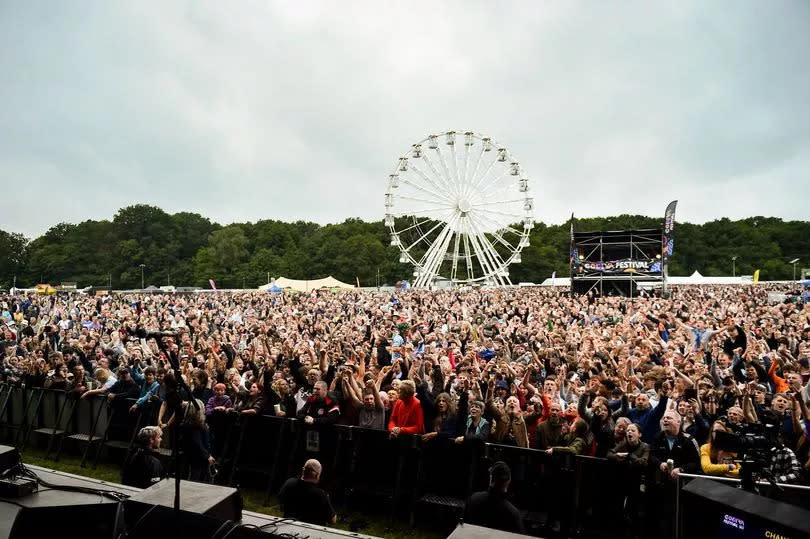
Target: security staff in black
[[491, 508], [144, 469], [302, 499]]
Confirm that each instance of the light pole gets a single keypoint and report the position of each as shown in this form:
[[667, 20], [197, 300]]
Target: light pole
[[734, 266], [794, 262], [142, 283]]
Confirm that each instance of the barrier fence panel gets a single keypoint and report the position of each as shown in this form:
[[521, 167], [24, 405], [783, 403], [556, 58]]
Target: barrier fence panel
[[445, 478], [606, 491], [44, 414]]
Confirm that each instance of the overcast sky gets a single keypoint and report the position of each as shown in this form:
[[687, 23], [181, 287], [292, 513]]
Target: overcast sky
[[251, 110]]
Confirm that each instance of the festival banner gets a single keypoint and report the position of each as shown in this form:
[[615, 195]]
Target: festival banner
[[573, 255], [211, 282], [625, 265], [668, 242], [756, 277]]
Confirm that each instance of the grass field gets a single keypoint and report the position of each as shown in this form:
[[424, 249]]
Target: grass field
[[371, 524]]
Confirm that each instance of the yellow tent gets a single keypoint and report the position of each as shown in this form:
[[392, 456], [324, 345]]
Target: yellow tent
[[45, 289]]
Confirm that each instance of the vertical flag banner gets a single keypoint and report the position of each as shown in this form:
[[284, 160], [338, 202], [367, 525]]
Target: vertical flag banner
[[211, 282], [668, 241], [756, 277], [573, 250]]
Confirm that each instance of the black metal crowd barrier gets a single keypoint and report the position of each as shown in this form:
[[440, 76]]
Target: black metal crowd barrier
[[90, 424], [404, 477]]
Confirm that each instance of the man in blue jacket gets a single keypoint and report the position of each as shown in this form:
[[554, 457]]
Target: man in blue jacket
[[647, 417]]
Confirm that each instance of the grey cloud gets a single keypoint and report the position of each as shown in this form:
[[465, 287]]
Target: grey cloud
[[299, 110]]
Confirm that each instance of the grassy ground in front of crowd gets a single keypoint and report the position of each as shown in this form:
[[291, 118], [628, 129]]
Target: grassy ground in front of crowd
[[253, 498]]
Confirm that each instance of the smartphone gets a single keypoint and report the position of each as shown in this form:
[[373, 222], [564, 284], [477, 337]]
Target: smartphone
[[690, 393]]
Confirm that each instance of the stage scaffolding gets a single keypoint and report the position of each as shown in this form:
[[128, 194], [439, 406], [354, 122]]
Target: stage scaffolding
[[616, 262]]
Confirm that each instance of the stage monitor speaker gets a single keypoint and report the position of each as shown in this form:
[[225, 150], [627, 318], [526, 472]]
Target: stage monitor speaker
[[9, 457], [224, 503], [714, 510], [51, 513]]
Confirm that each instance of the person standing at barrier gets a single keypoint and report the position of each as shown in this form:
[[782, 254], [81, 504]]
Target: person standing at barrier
[[144, 469], [371, 413], [634, 455], [149, 387], [716, 462], [550, 432], [671, 453], [407, 416], [302, 499], [319, 408], [644, 415], [492, 508]]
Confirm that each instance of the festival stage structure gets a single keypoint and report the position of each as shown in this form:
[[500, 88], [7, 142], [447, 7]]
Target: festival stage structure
[[621, 262]]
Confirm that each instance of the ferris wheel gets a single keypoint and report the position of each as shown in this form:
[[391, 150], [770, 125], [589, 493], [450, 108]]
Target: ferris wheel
[[458, 207]]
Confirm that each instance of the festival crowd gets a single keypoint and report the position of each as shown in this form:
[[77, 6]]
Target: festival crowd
[[645, 381]]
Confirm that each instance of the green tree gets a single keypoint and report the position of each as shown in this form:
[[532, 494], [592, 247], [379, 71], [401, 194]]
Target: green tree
[[13, 257]]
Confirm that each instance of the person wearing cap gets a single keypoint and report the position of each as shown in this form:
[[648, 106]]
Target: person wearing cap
[[491, 508], [124, 387], [302, 499]]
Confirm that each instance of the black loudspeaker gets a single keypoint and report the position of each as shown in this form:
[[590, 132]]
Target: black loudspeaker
[[223, 503], [9, 457], [52, 513], [713, 510]]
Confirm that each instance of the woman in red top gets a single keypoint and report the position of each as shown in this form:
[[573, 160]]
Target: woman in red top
[[406, 417]]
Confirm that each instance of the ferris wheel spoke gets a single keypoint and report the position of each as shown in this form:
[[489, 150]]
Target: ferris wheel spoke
[[469, 178], [420, 188], [455, 166], [467, 254], [499, 225], [415, 225], [466, 160], [480, 253], [496, 212], [495, 260], [454, 269], [431, 260], [493, 253], [447, 175], [497, 235], [417, 212], [425, 235], [475, 182], [478, 249], [497, 202], [441, 179], [494, 184], [444, 193], [425, 200]]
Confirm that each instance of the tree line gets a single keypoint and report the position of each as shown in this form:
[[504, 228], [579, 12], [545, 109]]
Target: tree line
[[188, 249]]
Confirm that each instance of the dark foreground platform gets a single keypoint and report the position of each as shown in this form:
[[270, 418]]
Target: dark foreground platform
[[206, 511]]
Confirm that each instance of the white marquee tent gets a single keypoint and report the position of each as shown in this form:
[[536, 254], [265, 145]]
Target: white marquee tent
[[306, 286]]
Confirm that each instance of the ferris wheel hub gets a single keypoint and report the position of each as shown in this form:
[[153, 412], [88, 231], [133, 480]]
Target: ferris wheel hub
[[464, 206]]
